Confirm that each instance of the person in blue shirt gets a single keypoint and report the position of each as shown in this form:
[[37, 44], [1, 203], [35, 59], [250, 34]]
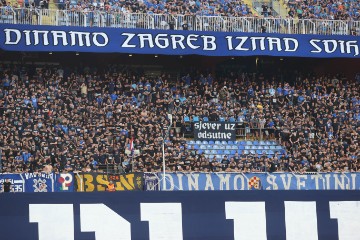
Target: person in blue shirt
[[34, 102]]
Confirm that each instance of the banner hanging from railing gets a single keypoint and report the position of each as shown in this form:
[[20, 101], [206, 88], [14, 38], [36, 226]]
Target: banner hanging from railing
[[260, 181], [97, 182], [40, 182], [217, 131], [15, 37]]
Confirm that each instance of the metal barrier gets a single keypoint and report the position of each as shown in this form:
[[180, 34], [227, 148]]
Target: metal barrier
[[118, 19]]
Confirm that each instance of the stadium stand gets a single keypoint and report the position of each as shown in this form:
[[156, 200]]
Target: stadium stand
[[79, 120], [303, 17]]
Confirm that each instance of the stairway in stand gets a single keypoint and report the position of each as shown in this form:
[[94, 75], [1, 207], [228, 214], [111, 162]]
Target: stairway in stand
[[250, 4], [49, 16], [280, 7]]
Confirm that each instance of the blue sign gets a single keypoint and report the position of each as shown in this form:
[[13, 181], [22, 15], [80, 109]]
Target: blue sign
[[17, 181], [146, 41], [259, 181], [225, 215], [40, 182]]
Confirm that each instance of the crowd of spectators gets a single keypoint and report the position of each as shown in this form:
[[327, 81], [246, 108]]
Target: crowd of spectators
[[324, 9], [78, 120]]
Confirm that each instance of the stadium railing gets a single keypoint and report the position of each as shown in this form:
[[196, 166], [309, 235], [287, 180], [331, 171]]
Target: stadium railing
[[161, 21]]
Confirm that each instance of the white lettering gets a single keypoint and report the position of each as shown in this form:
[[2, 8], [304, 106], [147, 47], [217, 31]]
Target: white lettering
[[287, 44], [209, 43], [8, 34], [104, 38], [348, 218], [177, 39], [249, 219], [92, 220], [300, 216], [146, 37], [78, 37], [59, 35], [165, 220], [162, 38], [45, 38], [190, 39], [127, 40], [48, 215]]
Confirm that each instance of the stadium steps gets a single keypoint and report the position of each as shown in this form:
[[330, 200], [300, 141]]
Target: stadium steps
[[280, 7], [250, 4]]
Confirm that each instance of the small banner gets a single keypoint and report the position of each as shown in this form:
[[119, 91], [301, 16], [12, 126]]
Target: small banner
[[38, 182], [151, 182], [217, 131]]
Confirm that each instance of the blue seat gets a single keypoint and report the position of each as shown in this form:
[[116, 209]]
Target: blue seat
[[203, 147], [209, 146], [278, 147], [232, 119], [200, 151], [221, 146], [211, 142], [196, 118], [227, 152], [266, 147], [255, 143], [205, 119], [214, 151], [246, 152], [252, 151], [205, 142], [271, 152], [260, 147], [262, 143], [228, 147], [259, 152], [254, 147], [217, 142], [247, 147], [243, 143], [215, 146], [230, 142], [219, 157], [207, 151], [268, 143], [220, 152], [224, 142], [189, 146], [196, 146], [186, 119], [233, 152], [272, 147], [198, 142], [191, 142], [282, 151], [241, 148], [234, 147], [221, 119], [249, 143]]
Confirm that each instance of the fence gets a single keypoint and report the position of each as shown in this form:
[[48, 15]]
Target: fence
[[163, 21]]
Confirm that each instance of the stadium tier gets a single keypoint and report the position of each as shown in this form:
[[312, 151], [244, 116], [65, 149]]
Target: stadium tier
[[86, 119], [304, 17], [152, 116]]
